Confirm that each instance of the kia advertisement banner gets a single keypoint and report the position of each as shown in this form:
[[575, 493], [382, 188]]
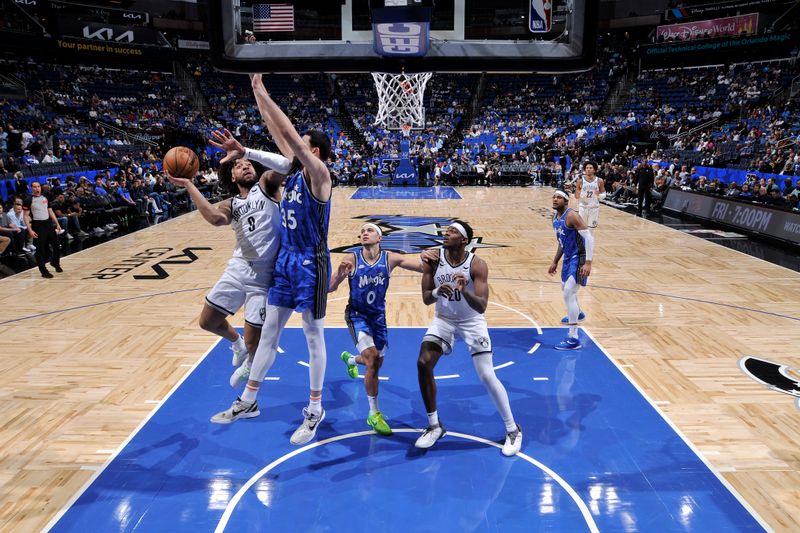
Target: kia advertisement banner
[[704, 29]]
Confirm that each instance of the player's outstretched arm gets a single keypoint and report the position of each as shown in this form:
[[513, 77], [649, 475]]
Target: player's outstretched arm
[[478, 298], [347, 265], [406, 262], [216, 216], [262, 99], [282, 131]]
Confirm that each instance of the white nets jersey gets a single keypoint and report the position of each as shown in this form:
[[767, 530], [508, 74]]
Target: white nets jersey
[[454, 307], [590, 191], [257, 225]]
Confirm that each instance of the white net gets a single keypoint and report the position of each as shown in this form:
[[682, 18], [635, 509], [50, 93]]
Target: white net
[[400, 99]]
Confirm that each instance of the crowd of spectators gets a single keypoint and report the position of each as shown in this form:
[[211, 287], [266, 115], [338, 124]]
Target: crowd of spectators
[[87, 123]]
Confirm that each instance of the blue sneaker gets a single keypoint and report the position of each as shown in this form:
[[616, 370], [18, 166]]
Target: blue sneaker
[[581, 318], [569, 344]]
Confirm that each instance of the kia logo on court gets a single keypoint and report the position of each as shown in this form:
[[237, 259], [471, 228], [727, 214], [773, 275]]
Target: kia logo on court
[[187, 256]]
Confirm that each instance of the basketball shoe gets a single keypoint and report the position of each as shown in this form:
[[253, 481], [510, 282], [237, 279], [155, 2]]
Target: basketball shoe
[[377, 422], [352, 370], [240, 375], [430, 436], [581, 318], [569, 343], [239, 352], [308, 428], [513, 442], [238, 410]]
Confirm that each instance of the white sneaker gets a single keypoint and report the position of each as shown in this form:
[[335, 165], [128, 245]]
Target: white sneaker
[[240, 375], [430, 436], [308, 428], [239, 354], [513, 442], [238, 410]]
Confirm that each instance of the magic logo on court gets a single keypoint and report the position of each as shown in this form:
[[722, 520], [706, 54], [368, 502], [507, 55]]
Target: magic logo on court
[[410, 234]]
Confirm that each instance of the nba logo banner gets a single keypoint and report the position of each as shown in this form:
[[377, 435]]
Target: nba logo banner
[[540, 19]]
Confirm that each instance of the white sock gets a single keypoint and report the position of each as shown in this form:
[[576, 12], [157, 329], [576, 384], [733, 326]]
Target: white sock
[[433, 418], [373, 404], [315, 405], [249, 394], [351, 360], [239, 344]]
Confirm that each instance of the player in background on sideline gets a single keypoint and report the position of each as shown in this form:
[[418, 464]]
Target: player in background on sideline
[[589, 190]]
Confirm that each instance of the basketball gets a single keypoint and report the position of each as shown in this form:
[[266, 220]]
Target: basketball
[[181, 162]]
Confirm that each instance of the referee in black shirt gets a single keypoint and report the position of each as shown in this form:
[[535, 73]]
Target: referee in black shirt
[[42, 226]]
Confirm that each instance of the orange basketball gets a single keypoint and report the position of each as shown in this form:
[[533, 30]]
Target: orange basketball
[[181, 162]]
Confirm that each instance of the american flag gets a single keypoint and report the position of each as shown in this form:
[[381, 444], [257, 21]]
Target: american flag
[[273, 17]]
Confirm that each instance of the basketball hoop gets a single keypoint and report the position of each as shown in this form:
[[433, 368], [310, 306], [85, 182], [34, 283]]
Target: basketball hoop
[[400, 100], [406, 130]]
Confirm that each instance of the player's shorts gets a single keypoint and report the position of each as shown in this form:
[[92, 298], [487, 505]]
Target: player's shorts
[[301, 282], [572, 268], [473, 331], [242, 283], [367, 332], [590, 214]]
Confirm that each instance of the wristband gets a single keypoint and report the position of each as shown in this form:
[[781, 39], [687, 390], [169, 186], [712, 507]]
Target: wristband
[[435, 292]]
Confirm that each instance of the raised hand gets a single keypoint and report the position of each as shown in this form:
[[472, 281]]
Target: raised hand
[[429, 256], [225, 141], [446, 290], [345, 267], [179, 182]]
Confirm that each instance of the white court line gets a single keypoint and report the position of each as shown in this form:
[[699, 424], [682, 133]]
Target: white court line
[[226, 516], [280, 350], [498, 367], [271, 378], [304, 364], [541, 379], [381, 378], [535, 347], [691, 446], [121, 447], [447, 376]]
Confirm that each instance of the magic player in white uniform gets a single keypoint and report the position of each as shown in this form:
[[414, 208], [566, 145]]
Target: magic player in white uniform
[[590, 190], [458, 284], [254, 216]]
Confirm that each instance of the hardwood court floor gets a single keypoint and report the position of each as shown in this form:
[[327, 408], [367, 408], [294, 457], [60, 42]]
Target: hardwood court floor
[[84, 360]]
